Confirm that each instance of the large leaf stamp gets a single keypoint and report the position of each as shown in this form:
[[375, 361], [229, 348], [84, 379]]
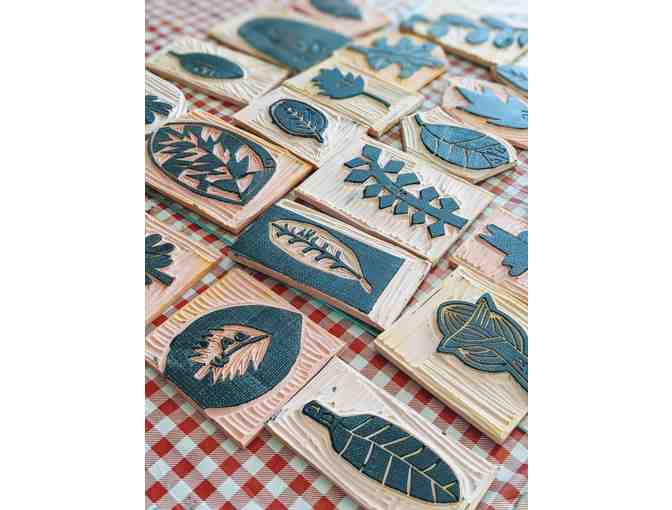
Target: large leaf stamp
[[298, 118]]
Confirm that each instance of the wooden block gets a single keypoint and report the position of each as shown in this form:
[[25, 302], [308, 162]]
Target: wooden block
[[471, 154], [489, 106], [169, 272], [370, 174], [281, 36], [308, 129], [495, 402], [362, 97], [230, 192], [239, 352], [340, 410], [400, 59], [512, 75], [163, 102], [349, 17], [215, 70], [485, 40], [497, 250], [326, 258]]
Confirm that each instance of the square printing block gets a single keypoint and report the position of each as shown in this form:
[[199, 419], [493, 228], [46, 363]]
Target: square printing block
[[163, 102], [215, 70], [239, 352], [349, 17], [467, 345], [173, 264], [218, 170], [395, 196], [497, 250], [308, 129], [446, 143], [380, 451], [364, 98], [326, 258]]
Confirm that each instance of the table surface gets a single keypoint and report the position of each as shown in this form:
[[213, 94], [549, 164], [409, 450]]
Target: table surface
[[189, 463]]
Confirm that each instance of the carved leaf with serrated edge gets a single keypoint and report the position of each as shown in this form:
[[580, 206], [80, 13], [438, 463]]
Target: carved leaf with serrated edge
[[512, 113], [207, 65], [409, 56], [388, 455], [317, 248]]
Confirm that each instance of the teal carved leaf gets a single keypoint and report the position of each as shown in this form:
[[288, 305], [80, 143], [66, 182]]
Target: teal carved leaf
[[462, 147], [409, 56], [338, 8], [153, 106], [299, 119], [512, 114], [387, 454], [157, 257], [334, 84], [207, 65]]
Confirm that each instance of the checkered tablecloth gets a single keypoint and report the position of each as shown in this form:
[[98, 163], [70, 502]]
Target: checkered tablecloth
[[190, 464]]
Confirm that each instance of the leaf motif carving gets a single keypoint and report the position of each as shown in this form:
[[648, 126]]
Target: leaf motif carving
[[338, 8], [409, 56], [388, 455], [154, 106], [463, 147], [317, 248], [512, 113], [299, 119], [207, 65], [157, 257], [517, 75], [514, 247], [336, 85]]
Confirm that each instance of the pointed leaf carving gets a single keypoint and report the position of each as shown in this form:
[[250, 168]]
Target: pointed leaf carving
[[338, 8], [514, 247], [157, 257], [334, 84], [299, 119], [410, 57], [512, 114], [517, 75], [153, 105], [207, 65]]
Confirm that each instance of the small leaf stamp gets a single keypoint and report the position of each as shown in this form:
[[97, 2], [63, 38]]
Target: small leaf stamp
[[408, 56], [513, 246], [157, 257], [511, 114], [336, 85], [154, 106], [299, 119], [207, 65], [338, 8], [163, 102]]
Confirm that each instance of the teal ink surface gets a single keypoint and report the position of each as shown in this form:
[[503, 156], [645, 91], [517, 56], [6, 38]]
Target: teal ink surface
[[319, 257], [203, 158], [512, 114], [217, 360], [299, 119], [409, 56], [293, 43], [514, 247], [483, 337], [388, 454], [157, 257], [154, 106], [463, 147], [206, 65], [334, 84], [517, 75], [367, 167], [338, 8]]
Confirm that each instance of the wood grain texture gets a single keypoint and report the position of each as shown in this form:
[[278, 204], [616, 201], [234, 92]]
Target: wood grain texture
[[452, 100], [341, 130], [479, 256], [242, 423], [372, 18], [453, 41], [347, 392], [362, 109], [168, 93], [410, 131], [259, 78], [289, 172], [190, 262], [493, 402], [390, 74], [326, 190], [396, 295]]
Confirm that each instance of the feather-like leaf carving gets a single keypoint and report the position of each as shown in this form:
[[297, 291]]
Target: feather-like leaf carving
[[207, 65], [409, 56], [157, 257], [336, 85], [517, 75], [388, 454], [153, 106], [299, 119], [317, 248], [483, 337], [229, 352], [338, 8], [462, 147], [514, 247], [512, 114]]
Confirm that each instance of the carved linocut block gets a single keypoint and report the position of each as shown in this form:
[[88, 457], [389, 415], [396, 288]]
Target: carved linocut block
[[468, 346], [239, 352], [173, 264], [497, 250], [488, 106], [362, 97], [470, 153], [401, 59], [486, 40], [367, 278], [381, 452], [349, 17], [218, 170], [511, 75], [163, 102], [396, 196], [217, 71], [281, 36], [308, 129]]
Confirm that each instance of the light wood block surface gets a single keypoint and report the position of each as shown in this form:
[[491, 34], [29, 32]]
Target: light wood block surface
[[167, 93], [370, 18]]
